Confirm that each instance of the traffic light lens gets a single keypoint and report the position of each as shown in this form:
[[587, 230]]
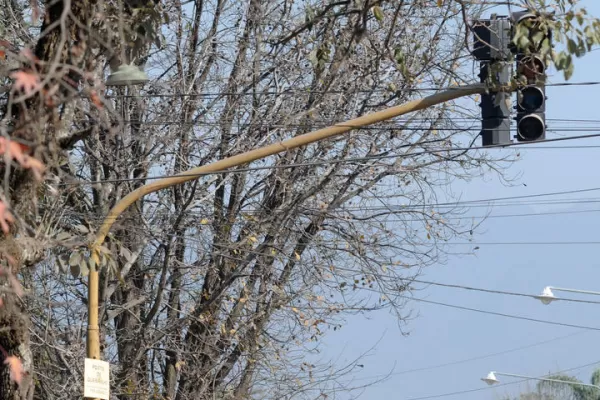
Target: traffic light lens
[[532, 68], [531, 98], [531, 127]]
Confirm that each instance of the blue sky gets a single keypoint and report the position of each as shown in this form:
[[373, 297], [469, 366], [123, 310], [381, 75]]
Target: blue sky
[[441, 335]]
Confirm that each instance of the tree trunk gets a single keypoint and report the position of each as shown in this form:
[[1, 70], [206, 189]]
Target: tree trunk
[[30, 120]]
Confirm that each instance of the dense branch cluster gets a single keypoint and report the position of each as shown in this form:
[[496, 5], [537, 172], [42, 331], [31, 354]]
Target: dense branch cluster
[[222, 288]]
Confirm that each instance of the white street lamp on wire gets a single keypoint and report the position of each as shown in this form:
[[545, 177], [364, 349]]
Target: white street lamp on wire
[[547, 296]]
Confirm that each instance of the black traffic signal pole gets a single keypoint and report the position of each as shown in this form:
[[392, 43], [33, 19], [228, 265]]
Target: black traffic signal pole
[[492, 38]]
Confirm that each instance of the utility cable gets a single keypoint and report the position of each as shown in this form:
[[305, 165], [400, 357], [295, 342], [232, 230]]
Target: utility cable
[[503, 292], [367, 218], [329, 162], [485, 356], [338, 92], [501, 384], [519, 317]]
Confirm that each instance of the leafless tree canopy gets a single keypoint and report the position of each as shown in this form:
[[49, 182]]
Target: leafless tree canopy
[[222, 288]]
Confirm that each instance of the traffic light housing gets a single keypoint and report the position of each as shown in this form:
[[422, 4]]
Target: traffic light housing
[[491, 47], [529, 39], [495, 106], [491, 39]]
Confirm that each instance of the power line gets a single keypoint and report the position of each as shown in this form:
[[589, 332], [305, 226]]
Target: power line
[[519, 317], [574, 243], [472, 217], [366, 217], [400, 208], [489, 355], [503, 292], [329, 162], [500, 385], [333, 92]]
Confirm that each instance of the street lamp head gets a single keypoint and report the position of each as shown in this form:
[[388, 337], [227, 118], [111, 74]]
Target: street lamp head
[[547, 296], [127, 75], [490, 379]]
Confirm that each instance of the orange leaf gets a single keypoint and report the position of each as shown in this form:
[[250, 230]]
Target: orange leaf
[[35, 165], [24, 147], [26, 81], [6, 218], [96, 99], [15, 150], [16, 368], [2, 55]]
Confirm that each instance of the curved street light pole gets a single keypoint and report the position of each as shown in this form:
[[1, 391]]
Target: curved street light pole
[[93, 333], [490, 379], [574, 290]]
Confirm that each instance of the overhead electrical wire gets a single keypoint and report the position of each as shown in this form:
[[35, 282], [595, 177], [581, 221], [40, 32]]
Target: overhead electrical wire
[[503, 292], [329, 162], [398, 208], [309, 92], [354, 218], [484, 356], [499, 385], [314, 122], [518, 317]]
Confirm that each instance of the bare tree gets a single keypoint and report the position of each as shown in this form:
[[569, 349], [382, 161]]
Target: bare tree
[[222, 288]]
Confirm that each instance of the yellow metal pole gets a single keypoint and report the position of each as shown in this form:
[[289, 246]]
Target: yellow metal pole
[[93, 339]]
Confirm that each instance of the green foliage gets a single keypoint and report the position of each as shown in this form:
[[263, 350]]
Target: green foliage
[[570, 26], [578, 392], [552, 390]]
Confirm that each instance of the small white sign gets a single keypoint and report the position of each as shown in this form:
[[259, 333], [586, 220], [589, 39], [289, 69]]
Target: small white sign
[[96, 379]]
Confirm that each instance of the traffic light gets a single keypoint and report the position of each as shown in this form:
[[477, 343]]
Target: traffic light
[[531, 40], [492, 38]]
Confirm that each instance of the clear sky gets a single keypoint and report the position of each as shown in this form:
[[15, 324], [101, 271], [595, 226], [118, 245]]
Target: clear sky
[[441, 335]]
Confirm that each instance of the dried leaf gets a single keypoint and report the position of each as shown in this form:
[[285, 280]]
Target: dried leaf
[[126, 253], [6, 218], [62, 262], [62, 236], [81, 228], [96, 99], [16, 151], [35, 165], [16, 286], [203, 221], [35, 11], [26, 81], [104, 250], [16, 368], [83, 268], [378, 13]]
